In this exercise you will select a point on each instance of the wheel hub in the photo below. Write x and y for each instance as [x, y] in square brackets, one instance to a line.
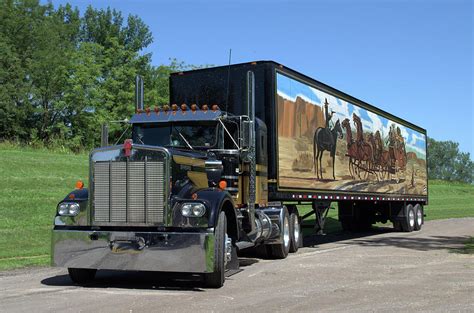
[228, 249]
[296, 229]
[286, 232]
[411, 218]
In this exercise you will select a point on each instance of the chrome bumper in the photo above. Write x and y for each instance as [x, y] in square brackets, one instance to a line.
[137, 251]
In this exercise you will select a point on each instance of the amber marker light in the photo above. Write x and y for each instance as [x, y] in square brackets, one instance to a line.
[79, 184]
[215, 107]
[157, 110]
[166, 108]
[194, 196]
[184, 107]
[147, 110]
[222, 184]
[204, 108]
[194, 107]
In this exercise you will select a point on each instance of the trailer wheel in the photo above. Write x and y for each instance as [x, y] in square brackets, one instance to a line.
[296, 235]
[280, 250]
[408, 223]
[216, 278]
[418, 217]
[81, 275]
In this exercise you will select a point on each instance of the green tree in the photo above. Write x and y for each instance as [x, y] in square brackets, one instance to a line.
[62, 74]
[446, 162]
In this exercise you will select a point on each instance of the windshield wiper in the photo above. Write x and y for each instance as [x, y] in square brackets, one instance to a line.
[184, 139]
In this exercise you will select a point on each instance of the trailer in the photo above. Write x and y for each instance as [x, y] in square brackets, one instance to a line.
[225, 166]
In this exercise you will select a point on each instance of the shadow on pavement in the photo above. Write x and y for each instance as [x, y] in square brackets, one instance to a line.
[420, 244]
[135, 280]
[393, 238]
[145, 280]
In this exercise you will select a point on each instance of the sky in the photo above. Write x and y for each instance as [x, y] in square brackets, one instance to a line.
[412, 58]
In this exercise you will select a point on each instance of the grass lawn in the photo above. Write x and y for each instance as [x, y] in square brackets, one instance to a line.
[34, 181]
[32, 184]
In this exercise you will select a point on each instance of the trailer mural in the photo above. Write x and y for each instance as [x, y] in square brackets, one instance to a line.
[328, 143]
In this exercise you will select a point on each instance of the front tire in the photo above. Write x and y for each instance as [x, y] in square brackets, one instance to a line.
[81, 275]
[216, 278]
[296, 235]
[280, 250]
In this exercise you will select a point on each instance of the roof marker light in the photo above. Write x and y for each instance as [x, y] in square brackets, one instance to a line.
[166, 108]
[184, 107]
[157, 110]
[194, 107]
[204, 108]
[147, 110]
[215, 108]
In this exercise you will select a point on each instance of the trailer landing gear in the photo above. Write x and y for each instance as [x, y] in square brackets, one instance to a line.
[320, 210]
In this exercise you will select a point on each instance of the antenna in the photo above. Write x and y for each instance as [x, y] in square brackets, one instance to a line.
[228, 81]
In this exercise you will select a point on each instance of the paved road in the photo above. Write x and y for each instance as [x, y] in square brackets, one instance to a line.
[381, 271]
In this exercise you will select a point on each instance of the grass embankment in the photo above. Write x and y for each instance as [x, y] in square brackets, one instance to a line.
[34, 181]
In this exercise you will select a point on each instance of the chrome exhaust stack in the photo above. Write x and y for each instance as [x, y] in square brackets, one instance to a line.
[139, 93]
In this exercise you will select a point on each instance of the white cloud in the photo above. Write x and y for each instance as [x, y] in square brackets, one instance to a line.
[415, 138]
[376, 122]
[305, 98]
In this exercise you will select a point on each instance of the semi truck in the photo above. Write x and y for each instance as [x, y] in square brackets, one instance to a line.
[232, 163]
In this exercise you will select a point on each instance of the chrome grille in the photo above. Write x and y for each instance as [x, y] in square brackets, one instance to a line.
[129, 192]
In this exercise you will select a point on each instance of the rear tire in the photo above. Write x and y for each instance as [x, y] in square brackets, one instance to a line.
[296, 235]
[81, 275]
[280, 250]
[419, 218]
[408, 223]
[216, 278]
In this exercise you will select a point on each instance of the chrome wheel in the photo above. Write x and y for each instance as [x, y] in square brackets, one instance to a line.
[419, 217]
[296, 230]
[286, 232]
[228, 249]
[411, 218]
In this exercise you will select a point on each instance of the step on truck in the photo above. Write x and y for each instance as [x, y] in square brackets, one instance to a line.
[227, 166]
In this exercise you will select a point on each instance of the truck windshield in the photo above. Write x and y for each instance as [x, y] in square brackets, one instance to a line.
[187, 136]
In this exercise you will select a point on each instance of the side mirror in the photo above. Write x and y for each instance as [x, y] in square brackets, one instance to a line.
[104, 136]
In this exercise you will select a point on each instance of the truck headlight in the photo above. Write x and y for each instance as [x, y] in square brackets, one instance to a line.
[68, 209]
[195, 209]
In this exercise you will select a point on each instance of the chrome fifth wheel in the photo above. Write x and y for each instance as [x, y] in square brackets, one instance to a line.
[296, 235]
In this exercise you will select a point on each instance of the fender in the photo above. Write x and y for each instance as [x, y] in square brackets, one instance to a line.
[221, 200]
[80, 196]
[77, 195]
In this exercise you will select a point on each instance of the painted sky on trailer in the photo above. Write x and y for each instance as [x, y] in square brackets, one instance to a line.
[413, 59]
[291, 89]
